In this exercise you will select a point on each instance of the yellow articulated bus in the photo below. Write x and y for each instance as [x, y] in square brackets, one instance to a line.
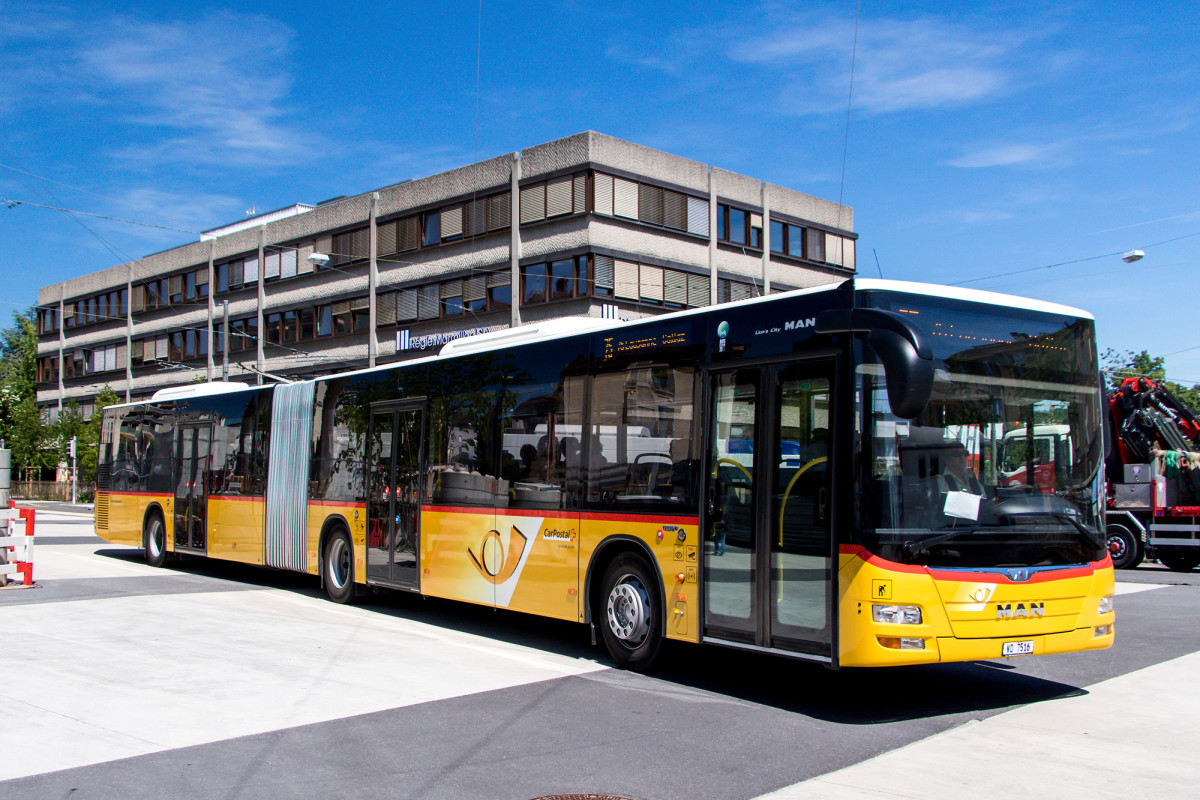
[817, 474]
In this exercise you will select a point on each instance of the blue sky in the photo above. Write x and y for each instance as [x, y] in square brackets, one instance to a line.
[981, 141]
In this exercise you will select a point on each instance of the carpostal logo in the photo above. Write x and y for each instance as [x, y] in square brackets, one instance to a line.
[559, 536]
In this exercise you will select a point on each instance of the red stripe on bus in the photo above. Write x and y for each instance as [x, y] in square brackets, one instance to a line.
[1044, 576]
[550, 512]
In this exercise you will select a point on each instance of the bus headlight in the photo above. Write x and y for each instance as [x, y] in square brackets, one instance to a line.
[897, 615]
[1106, 605]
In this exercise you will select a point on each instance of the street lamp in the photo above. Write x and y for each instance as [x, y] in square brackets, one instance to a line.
[1128, 258]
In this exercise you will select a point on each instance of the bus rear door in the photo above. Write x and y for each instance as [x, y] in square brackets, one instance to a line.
[191, 490]
[394, 471]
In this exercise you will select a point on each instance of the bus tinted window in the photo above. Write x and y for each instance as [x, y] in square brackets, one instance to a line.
[638, 448]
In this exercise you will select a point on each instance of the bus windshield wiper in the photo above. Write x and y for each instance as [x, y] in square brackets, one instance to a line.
[1068, 518]
[1050, 506]
[913, 549]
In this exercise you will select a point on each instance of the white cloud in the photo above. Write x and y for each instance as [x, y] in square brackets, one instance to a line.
[899, 64]
[219, 81]
[1007, 155]
[212, 89]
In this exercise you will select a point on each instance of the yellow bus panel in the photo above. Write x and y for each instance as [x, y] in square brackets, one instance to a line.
[967, 616]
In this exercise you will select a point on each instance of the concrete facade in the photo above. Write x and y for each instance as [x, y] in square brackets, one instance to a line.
[650, 231]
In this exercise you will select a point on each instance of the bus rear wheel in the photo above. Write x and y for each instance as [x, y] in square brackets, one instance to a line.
[338, 568]
[1179, 559]
[629, 613]
[1123, 546]
[154, 539]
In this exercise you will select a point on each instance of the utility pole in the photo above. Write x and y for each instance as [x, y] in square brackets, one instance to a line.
[74, 474]
[225, 344]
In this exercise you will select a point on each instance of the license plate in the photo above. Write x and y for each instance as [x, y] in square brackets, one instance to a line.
[1018, 648]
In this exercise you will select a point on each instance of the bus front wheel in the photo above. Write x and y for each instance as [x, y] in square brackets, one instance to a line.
[154, 538]
[629, 613]
[339, 567]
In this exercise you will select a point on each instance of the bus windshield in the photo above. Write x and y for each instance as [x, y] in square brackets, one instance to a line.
[1003, 469]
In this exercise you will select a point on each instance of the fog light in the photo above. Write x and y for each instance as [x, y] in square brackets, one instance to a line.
[898, 643]
[897, 615]
[1106, 605]
[1103, 630]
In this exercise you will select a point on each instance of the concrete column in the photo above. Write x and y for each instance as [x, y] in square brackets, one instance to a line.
[262, 301]
[212, 291]
[129, 334]
[62, 342]
[712, 239]
[514, 208]
[766, 240]
[372, 283]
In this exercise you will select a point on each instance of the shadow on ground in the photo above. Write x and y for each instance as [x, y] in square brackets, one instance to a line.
[852, 696]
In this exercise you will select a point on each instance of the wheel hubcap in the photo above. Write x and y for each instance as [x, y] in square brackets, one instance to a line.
[155, 540]
[339, 563]
[628, 611]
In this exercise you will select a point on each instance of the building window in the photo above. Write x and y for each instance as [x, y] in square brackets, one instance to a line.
[431, 228]
[341, 319]
[325, 320]
[535, 284]
[307, 328]
[738, 226]
[291, 326]
[562, 278]
[500, 296]
[272, 323]
[360, 315]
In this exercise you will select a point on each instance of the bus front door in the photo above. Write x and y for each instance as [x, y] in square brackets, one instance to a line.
[191, 491]
[768, 549]
[394, 495]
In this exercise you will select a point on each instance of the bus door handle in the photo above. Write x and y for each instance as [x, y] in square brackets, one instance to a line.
[714, 508]
[822, 503]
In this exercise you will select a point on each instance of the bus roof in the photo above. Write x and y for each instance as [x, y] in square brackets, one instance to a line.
[547, 330]
[970, 295]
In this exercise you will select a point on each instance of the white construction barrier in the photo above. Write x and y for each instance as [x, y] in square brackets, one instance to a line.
[19, 548]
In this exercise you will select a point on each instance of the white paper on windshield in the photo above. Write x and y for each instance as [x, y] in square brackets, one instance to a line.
[963, 505]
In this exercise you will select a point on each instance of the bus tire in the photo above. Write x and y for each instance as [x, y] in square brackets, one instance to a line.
[1123, 546]
[629, 613]
[1179, 559]
[338, 567]
[154, 540]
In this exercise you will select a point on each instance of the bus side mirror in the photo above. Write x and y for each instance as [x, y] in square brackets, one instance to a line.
[902, 347]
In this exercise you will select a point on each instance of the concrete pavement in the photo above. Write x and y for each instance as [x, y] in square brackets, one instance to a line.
[113, 658]
[1135, 735]
[155, 670]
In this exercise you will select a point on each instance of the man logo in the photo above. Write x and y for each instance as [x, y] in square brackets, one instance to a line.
[497, 562]
[797, 324]
[1006, 610]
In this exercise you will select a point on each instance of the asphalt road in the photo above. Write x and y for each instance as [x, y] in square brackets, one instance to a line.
[208, 680]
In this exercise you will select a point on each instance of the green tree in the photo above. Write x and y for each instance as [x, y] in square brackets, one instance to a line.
[21, 424]
[1119, 365]
[87, 434]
